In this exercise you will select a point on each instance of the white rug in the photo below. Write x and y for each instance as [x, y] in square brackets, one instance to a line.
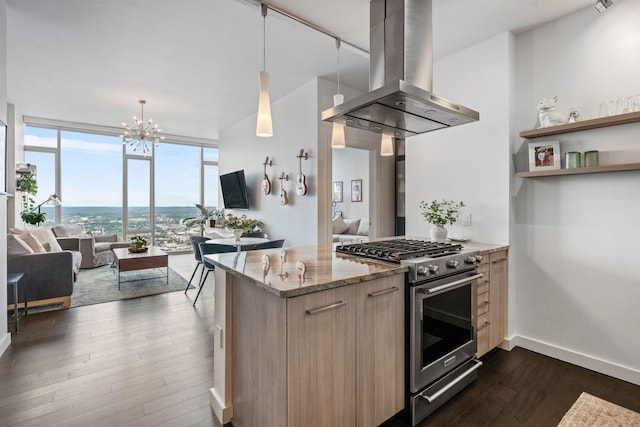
[591, 411]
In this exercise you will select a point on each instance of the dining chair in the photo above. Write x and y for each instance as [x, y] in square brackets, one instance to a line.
[195, 240]
[266, 245]
[260, 234]
[208, 249]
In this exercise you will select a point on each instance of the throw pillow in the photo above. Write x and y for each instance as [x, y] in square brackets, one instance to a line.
[363, 228]
[353, 225]
[70, 230]
[339, 226]
[17, 246]
[45, 235]
[33, 243]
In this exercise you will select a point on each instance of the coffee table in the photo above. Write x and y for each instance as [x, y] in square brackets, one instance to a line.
[127, 261]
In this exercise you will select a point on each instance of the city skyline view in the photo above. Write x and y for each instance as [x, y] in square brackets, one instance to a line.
[93, 176]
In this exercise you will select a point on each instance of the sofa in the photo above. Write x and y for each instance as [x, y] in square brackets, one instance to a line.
[355, 230]
[50, 270]
[96, 250]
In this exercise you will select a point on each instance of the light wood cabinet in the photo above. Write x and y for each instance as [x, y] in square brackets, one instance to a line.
[492, 294]
[321, 354]
[380, 350]
[330, 358]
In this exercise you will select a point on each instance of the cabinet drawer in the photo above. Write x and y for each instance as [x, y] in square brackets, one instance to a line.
[483, 341]
[483, 304]
[485, 259]
[483, 322]
[484, 269]
[483, 286]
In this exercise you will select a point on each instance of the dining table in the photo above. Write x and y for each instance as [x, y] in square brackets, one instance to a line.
[231, 241]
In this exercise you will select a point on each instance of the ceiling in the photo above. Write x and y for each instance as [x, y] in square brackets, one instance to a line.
[196, 62]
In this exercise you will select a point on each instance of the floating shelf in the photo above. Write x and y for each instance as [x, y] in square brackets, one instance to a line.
[577, 171]
[619, 119]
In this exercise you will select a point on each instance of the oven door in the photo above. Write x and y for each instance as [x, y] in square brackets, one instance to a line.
[442, 333]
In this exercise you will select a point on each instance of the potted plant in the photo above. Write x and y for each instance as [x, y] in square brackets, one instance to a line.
[138, 244]
[200, 220]
[440, 213]
[27, 183]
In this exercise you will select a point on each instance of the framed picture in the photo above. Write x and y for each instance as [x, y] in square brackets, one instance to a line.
[337, 191]
[544, 155]
[356, 190]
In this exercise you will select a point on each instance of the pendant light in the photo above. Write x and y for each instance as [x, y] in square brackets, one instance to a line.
[337, 135]
[386, 145]
[264, 126]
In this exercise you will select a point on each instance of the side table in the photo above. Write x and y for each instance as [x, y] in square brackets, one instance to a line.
[13, 279]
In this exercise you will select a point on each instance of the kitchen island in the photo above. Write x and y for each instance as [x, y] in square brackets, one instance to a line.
[306, 336]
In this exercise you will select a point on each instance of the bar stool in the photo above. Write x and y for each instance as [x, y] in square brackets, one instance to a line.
[12, 280]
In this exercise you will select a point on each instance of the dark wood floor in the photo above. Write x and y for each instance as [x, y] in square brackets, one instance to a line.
[148, 362]
[523, 388]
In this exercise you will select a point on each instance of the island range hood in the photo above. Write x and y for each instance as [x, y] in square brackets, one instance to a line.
[400, 102]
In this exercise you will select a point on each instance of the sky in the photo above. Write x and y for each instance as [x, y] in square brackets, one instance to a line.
[92, 171]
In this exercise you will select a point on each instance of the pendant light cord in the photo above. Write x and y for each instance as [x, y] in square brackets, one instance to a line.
[338, 49]
[264, 37]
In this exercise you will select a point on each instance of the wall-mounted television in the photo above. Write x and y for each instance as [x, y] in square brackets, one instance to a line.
[234, 190]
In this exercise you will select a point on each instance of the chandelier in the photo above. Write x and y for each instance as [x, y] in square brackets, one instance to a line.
[141, 135]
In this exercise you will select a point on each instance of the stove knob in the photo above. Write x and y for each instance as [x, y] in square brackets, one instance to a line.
[471, 259]
[433, 269]
[452, 263]
[478, 259]
[423, 271]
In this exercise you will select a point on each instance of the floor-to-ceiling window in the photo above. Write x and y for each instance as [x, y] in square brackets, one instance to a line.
[91, 182]
[108, 189]
[210, 166]
[177, 190]
[41, 148]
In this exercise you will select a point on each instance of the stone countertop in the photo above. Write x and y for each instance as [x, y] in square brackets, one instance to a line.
[292, 272]
[482, 247]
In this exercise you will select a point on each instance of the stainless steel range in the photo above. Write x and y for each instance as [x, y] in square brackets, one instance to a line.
[440, 317]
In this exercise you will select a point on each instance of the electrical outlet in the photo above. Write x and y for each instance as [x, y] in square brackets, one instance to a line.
[466, 218]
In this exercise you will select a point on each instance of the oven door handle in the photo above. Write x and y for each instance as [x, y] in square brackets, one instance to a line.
[448, 387]
[432, 291]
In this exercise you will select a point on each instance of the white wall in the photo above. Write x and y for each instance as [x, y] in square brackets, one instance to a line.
[3, 61]
[350, 164]
[5, 338]
[575, 238]
[468, 162]
[295, 124]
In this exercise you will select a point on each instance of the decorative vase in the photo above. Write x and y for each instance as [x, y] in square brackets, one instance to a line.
[438, 233]
[237, 233]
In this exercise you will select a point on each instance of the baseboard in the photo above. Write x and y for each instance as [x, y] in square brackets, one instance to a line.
[5, 341]
[222, 412]
[602, 366]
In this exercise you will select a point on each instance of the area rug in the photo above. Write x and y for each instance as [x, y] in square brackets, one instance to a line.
[591, 411]
[98, 285]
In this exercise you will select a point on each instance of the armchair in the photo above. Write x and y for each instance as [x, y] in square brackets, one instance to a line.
[95, 250]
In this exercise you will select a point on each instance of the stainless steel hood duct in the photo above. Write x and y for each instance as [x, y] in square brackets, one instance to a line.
[400, 102]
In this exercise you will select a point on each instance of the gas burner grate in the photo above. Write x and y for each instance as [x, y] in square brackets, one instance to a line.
[399, 249]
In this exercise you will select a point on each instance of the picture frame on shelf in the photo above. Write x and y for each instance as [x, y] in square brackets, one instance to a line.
[356, 190]
[544, 155]
[337, 192]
